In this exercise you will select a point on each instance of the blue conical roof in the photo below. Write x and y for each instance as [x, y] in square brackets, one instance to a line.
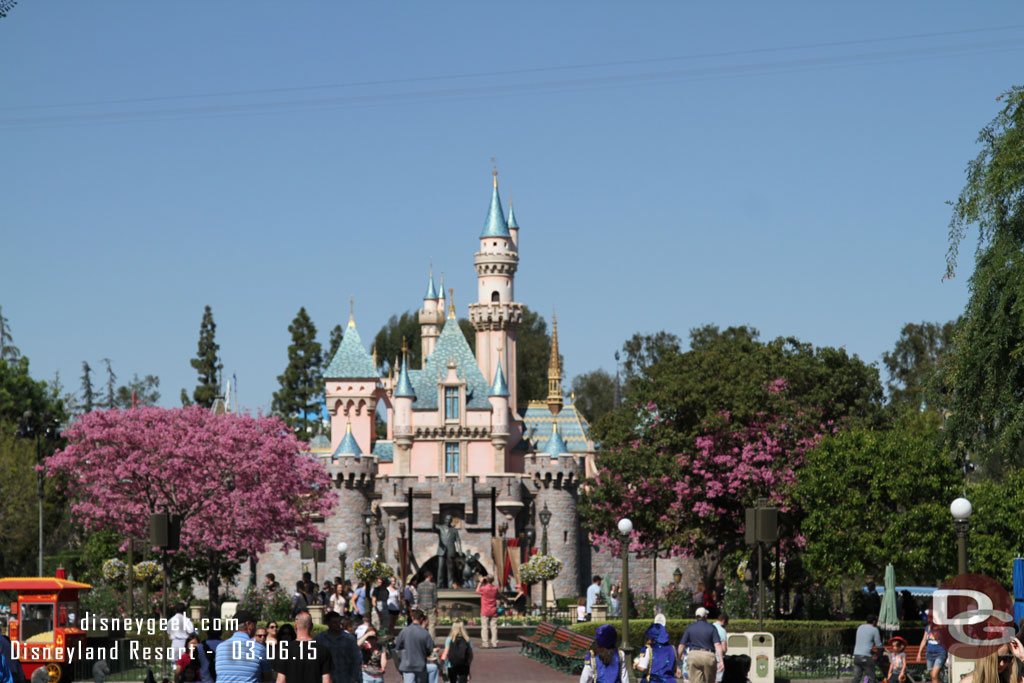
[404, 387]
[495, 225]
[555, 444]
[512, 225]
[351, 359]
[431, 294]
[348, 445]
[499, 388]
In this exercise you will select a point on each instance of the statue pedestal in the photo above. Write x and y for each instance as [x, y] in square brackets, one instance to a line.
[599, 612]
[455, 603]
[317, 613]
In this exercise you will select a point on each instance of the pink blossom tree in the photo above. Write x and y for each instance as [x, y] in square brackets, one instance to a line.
[238, 482]
[694, 505]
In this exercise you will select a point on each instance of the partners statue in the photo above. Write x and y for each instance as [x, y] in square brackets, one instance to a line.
[449, 548]
[469, 569]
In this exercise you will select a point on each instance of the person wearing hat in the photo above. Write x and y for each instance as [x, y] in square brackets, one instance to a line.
[657, 660]
[897, 661]
[605, 663]
[704, 644]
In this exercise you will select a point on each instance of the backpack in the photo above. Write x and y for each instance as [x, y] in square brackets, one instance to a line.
[211, 659]
[458, 653]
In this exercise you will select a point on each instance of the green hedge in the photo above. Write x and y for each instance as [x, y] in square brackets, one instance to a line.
[805, 638]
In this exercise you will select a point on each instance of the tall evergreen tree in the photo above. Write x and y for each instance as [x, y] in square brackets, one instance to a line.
[302, 380]
[111, 401]
[337, 334]
[88, 394]
[207, 363]
[7, 350]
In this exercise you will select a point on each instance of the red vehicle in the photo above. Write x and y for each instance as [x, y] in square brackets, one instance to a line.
[43, 622]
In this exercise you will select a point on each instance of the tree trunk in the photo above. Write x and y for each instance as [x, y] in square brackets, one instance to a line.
[213, 590]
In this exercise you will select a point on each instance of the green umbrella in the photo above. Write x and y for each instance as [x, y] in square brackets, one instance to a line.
[888, 617]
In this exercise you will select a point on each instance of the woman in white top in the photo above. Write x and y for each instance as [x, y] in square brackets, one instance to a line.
[339, 601]
[394, 604]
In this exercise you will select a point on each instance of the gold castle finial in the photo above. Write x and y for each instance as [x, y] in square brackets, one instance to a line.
[451, 306]
[494, 161]
[405, 347]
[352, 312]
[374, 355]
[348, 427]
[554, 372]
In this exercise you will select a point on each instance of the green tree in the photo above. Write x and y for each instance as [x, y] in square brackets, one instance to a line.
[595, 393]
[7, 350]
[641, 351]
[533, 354]
[985, 371]
[207, 363]
[337, 334]
[88, 393]
[302, 380]
[731, 378]
[145, 391]
[19, 393]
[111, 399]
[388, 341]
[871, 497]
[996, 532]
[913, 365]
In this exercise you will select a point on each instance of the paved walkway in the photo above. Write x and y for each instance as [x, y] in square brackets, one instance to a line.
[504, 663]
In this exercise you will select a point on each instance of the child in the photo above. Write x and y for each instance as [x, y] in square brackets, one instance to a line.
[581, 609]
[898, 661]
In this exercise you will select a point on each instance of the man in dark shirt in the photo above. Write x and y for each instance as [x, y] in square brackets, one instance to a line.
[380, 605]
[428, 601]
[302, 660]
[703, 642]
[346, 660]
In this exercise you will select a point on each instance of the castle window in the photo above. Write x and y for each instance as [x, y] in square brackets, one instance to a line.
[451, 458]
[451, 403]
[494, 297]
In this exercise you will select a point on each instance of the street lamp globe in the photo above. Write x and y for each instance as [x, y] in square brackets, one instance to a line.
[961, 509]
[342, 547]
[625, 526]
[545, 515]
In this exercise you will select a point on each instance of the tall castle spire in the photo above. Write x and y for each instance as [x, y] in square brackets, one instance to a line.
[554, 372]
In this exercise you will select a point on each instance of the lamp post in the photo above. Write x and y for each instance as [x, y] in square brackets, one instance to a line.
[44, 428]
[545, 519]
[961, 510]
[677, 576]
[381, 533]
[625, 528]
[342, 552]
[368, 519]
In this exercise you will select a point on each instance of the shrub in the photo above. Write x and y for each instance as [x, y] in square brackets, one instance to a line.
[802, 638]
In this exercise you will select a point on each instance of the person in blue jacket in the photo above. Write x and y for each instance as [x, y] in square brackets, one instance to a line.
[657, 660]
[605, 663]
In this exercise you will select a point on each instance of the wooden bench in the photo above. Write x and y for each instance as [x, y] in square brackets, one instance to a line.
[532, 646]
[913, 661]
[557, 647]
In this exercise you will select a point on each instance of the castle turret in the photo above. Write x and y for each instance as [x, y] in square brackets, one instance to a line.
[555, 478]
[403, 398]
[353, 476]
[352, 390]
[431, 318]
[498, 398]
[495, 315]
[513, 227]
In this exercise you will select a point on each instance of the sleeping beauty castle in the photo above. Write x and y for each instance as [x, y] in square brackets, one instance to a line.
[455, 445]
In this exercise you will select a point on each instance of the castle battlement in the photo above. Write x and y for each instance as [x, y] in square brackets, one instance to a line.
[351, 471]
[563, 471]
[495, 315]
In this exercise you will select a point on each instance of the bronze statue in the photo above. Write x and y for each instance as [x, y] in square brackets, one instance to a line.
[449, 548]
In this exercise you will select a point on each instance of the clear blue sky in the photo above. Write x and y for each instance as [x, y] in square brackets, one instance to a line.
[781, 165]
